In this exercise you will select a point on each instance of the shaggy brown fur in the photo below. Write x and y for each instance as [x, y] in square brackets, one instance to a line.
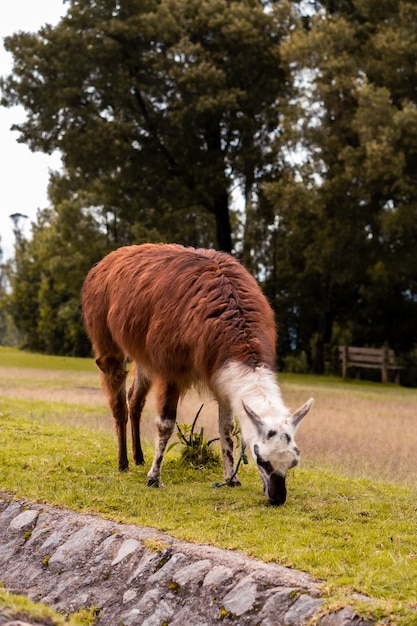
[180, 314]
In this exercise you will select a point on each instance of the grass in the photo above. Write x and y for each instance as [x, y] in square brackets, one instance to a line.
[10, 357]
[340, 523]
[19, 608]
[357, 428]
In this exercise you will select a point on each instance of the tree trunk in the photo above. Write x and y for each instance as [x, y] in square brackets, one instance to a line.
[223, 227]
[248, 240]
[324, 333]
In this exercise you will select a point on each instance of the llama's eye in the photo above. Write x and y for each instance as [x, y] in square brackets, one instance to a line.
[271, 433]
[266, 465]
[286, 438]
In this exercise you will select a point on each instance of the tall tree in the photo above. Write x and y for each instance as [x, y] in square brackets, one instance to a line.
[347, 251]
[157, 106]
[322, 221]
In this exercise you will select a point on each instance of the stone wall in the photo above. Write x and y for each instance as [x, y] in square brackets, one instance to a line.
[140, 576]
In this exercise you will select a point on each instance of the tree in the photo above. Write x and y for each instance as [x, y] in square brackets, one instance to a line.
[3, 294]
[157, 107]
[346, 229]
[322, 220]
[162, 107]
[46, 278]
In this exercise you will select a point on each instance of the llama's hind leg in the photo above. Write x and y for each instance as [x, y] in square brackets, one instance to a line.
[136, 400]
[167, 400]
[113, 378]
[226, 441]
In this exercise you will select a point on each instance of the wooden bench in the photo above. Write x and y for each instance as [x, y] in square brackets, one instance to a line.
[370, 358]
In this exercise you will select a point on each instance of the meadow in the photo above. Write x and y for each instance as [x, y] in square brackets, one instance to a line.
[350, 518]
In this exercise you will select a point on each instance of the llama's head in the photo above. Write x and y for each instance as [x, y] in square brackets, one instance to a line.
[275, 450]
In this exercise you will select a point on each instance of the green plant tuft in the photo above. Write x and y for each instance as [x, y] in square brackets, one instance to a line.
[196, 448]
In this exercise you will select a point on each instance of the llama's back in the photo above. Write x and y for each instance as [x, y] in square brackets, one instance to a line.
[179, 312]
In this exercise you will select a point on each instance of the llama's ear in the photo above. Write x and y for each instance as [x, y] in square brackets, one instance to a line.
[254, 418]
[301, 413]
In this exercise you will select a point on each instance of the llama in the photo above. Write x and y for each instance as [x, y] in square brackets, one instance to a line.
[186, 317]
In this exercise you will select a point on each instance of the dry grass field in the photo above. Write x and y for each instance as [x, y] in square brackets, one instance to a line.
[358, 429]
[367, 430]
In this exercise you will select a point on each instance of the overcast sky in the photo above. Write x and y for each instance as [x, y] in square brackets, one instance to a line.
[23, 174]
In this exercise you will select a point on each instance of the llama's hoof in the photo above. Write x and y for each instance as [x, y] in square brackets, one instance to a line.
[235, 482]
[138, 457]
[123, 467]
[152, 482]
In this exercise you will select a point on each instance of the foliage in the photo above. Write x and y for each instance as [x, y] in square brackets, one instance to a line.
[46, 278]
[296, 363]
[183, 95]
[8, 333]
[196, 450]
[337, 252]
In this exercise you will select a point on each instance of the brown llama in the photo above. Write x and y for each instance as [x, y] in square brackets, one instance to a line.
[184, 317]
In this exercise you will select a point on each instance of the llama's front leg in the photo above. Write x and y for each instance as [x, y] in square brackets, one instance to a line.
[136, 400]
[226, 441]
[167, 400]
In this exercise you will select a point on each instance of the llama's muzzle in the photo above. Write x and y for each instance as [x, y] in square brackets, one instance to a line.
[276, 491]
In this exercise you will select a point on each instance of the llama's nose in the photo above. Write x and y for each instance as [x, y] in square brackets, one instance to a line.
[278, 500]
[277, 491]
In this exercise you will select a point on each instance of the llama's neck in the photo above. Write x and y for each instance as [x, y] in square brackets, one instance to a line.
[257, 388]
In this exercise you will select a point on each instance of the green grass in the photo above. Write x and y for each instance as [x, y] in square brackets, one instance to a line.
[354, 534]
[17, 607]
[12, 357]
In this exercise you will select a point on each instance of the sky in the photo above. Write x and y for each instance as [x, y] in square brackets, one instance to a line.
[24, 174]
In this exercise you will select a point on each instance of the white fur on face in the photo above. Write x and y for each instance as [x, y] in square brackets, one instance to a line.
[280, 451]
[272, 428]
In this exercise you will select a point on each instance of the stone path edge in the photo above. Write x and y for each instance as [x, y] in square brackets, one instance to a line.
[138, 576]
